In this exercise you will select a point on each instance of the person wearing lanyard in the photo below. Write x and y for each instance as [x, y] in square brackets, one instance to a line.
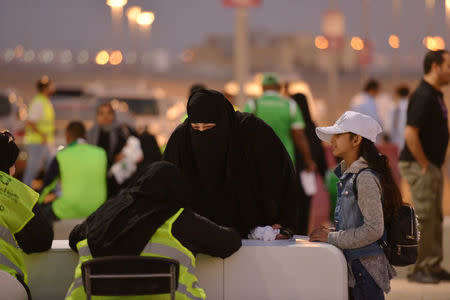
[22, 226]
[421, 160]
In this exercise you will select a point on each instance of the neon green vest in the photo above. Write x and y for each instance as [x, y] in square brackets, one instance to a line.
[162, 244]
[83, 171]
[16, 205]
[46, 125]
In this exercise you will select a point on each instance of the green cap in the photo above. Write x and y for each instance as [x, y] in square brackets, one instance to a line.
[270, 79]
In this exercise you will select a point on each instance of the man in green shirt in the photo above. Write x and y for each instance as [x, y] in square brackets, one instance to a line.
[284, 116]
[81, 169]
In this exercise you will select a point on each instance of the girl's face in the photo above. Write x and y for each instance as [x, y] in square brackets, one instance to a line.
[344, 144]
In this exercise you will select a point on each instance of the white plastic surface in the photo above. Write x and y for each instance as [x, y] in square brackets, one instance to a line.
[259, 270]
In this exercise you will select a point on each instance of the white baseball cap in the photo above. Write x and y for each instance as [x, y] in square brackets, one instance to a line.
[354, 122]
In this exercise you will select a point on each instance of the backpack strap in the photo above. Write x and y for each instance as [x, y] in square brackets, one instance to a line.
[383, 241]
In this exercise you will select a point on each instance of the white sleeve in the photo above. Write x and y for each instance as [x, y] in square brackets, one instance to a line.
[36, 112]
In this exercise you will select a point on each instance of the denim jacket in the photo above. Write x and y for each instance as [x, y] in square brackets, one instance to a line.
[348, 214]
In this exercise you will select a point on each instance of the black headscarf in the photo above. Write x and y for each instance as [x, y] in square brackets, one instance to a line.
[8, 151]
[210, 147]
[137, 212]
[239, 172]
[317, 152]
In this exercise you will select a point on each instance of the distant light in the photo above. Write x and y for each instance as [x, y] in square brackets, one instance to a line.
[159, 93]
[321, 42]
[66, 57]
[102, 58]
[18, 51]
[47, 56]
[115, 104]
[187, 56]
[253, 89]
[133, 13]
[434, 43]
[12, 98]
[116, 3]
[146, 18]
[447, 4]
[357, 43]
[9, 55]
[83, 57]
[115, 58]
[232, 88]
[394, 41]
[131, 58]
[29, 56]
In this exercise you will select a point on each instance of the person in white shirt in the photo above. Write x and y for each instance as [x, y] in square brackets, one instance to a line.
[396, 118]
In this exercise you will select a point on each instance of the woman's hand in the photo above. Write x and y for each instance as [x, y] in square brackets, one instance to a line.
[49, 198]
[319, 235]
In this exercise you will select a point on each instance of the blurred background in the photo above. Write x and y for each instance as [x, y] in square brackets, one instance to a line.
[143, 55]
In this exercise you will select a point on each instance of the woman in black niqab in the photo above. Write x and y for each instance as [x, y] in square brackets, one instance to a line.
[238, 171]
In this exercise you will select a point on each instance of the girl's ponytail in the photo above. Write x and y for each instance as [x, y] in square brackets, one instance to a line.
[379, 163]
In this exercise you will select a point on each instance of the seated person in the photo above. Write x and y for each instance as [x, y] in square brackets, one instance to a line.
[81, 168]
[152, 210]
[22, 226]
[237, 169]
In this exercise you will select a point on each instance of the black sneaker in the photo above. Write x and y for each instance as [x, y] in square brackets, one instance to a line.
[423, 277]
[442, 275]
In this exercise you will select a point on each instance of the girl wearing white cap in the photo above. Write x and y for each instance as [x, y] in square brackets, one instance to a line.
[367, 197]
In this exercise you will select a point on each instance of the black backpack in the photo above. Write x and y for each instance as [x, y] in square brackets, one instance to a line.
[402, 236]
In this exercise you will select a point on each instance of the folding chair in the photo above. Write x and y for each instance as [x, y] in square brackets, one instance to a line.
[130, 276]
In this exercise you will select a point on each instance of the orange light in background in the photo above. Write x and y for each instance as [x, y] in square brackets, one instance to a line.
[116, 3]
[102, 58]
[115, 58]
[394, 41]
[321, 42]
[146, 18]
[133, 13]
[18, 51]
[434, 43]
[357, 43]
[187, 56]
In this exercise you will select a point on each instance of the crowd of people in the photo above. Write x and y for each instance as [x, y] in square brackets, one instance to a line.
[227, 175]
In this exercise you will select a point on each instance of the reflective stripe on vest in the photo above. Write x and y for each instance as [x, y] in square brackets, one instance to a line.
[150, 248]
[7, 236]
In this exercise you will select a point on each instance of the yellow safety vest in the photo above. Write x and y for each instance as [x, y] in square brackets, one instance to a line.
[16, 210]
[46, 125]
[162, 244]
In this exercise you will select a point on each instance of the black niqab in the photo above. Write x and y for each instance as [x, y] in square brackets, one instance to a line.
[210, 147]
[138, 211]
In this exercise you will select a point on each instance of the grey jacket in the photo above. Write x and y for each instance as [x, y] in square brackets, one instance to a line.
[369, 203]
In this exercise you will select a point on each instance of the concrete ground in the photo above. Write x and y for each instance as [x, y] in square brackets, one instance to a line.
[402, 289]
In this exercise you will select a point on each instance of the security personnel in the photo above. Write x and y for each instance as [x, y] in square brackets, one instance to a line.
[284, 116]
[40, 129]
[22, 227]
[82, 170]
[149, 219]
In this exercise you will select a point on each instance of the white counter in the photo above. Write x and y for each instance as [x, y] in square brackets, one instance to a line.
[294, 269]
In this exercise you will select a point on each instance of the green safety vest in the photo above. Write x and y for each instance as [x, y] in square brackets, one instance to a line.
[83, 171]
[46, 125]
[162, 244]
[16, 210]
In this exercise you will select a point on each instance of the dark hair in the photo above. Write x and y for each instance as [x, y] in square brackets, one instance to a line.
[402, 91]
[431, 57]
[108, 105]
[371, 85]
[8, 151]
[76, 129]
[196, 87]
[379, 163]
[43, 83]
